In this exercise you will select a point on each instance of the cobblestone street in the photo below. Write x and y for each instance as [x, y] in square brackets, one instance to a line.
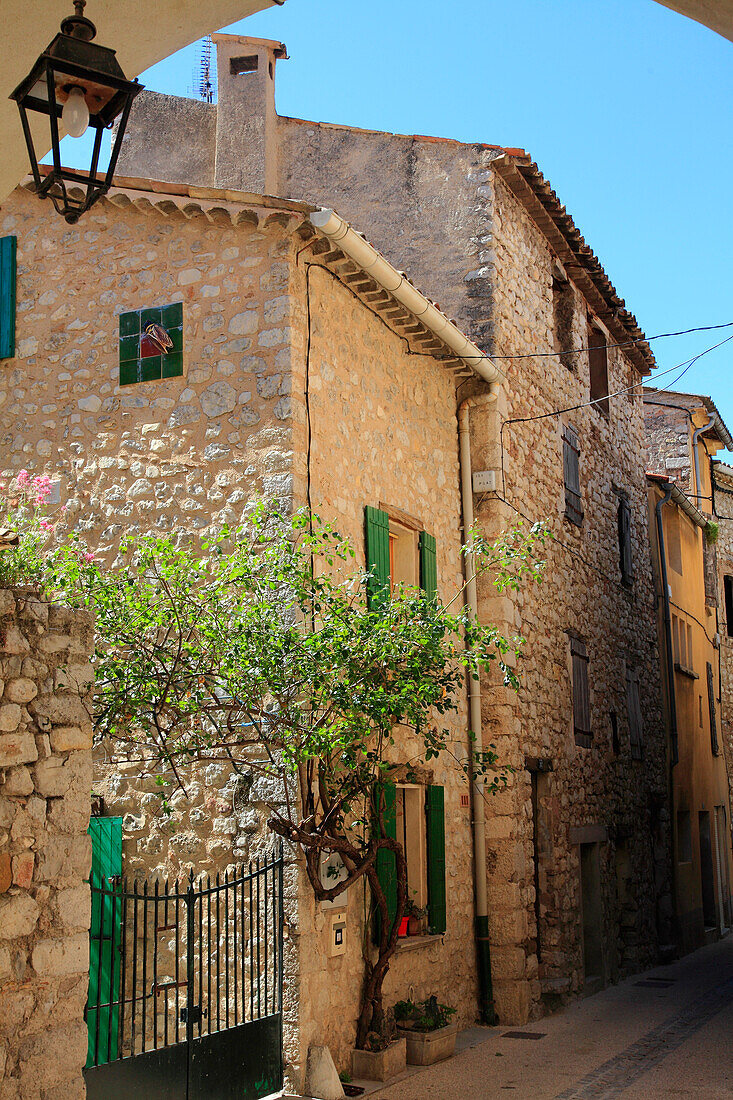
[664, 1033]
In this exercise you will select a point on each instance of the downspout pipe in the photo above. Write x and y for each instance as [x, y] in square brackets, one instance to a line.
[483, 953]
[696, 457]
[671, 700]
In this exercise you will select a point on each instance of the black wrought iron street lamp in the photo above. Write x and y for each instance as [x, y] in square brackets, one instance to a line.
[82, 84]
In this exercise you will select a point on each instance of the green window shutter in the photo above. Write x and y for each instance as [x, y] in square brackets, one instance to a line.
[104, 942]
[428, 565]
[435, 829]
[386, 865]
[376, 536]
[7, 296]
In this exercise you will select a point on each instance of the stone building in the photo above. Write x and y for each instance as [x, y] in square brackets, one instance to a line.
[293, 376]
[578, 892]
[722, 487]
[684, 431]
[545, 403]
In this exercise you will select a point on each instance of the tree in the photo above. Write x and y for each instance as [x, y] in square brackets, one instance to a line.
[261, 648]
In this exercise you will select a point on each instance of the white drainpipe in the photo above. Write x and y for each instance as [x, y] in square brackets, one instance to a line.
[474, 711]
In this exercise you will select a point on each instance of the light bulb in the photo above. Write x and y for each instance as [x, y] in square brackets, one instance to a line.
[75, 115]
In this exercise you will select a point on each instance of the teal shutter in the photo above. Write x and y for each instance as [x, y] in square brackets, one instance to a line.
[435, 832]
[104, 944]
[386, 864]
[376, 537]
[7, 296]
[428, 565]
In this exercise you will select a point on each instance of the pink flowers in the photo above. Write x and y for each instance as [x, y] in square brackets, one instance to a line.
[88, 556]
[46, 525]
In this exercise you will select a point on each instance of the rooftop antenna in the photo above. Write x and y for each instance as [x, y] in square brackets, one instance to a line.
[206, 90]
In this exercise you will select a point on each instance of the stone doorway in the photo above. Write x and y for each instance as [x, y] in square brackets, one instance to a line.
[592, 916]
[707, 876]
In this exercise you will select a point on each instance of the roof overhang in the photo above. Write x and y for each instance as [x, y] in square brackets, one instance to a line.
[533, 191]
[679, 498]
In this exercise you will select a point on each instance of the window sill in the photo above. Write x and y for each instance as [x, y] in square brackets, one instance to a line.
[685, 671]
[411, 943]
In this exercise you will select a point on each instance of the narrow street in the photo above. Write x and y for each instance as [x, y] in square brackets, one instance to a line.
[664, 1033]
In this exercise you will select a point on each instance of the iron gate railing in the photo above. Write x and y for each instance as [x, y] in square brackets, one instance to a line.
[185, 987]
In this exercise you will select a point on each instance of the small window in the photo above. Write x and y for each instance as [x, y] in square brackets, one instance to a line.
[711, 707]
[411, 833]
[684, 837]
[404, 561]
[240, 65]
[633, 710]
[624, 540]
[615, 744]
[581, 694]
[563, 313]
[674, 544]
[728, 590]
[142, 357]
[571, 474]
[598, 360]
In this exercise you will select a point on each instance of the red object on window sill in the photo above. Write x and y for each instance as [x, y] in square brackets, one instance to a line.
[402, 930]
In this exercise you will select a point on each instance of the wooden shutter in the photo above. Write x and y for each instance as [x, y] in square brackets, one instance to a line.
[376, 537]
[598, 369]
[581, 696]
[104, 946]
[711, 707]
[633, 710]
[624, 540]
[435, 835]
[386, 865]
[7, 296]
[571, 474]
[428, 565]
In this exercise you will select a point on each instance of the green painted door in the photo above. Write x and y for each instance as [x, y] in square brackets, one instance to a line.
[103, 1008]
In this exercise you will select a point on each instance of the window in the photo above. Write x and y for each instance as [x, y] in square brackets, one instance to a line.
[711, 707]
[397, 554]
[563, 312]
[571, 474]
[624, 540]
[8, 247]
[141, 359]
[728, 591]
[240, 65]
[633, 710]
[581, 695]
[674, 545]
[598, 360]
[684, 837]
[414, 815]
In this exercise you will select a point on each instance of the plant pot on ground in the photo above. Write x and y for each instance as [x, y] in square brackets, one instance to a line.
[380, 1065]
[425, 1025]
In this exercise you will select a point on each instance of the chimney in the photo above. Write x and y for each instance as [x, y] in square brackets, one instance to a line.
[246, 121]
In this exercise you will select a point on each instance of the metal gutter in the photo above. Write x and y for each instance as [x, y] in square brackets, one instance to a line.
[331, 225]
[680, 499]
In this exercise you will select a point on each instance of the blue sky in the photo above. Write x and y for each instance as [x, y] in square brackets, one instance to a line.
[624, 105]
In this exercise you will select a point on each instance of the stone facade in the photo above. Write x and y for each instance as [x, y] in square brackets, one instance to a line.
[479, 226]
[194, 452]
[45, 779]
[723, 501]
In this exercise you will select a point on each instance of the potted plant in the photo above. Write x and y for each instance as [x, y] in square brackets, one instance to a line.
[427, 1030]
[416, 918]
[384, 1055]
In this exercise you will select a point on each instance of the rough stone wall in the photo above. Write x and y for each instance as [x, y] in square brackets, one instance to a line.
[384, 433]
[193, 452]
[667, 434]
[591, 792]
[724, 552]
[45, 780]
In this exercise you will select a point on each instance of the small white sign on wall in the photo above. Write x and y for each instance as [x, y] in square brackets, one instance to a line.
[333, 872]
